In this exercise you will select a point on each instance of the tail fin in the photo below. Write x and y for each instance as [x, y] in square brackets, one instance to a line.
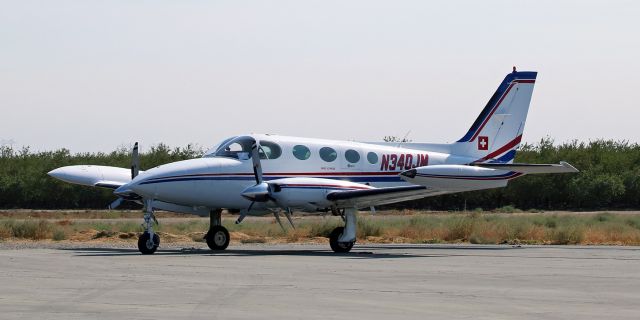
[497, 132]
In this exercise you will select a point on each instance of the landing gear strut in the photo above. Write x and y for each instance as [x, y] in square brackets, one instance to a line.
[149, 241]
[218, 236]
[342, 239]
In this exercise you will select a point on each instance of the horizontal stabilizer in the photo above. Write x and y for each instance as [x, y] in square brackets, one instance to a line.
[528, 168]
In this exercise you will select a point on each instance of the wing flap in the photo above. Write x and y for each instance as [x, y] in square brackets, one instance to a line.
[379, 196]
[109, 184]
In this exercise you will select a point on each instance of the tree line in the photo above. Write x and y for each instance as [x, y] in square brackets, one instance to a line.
[609, 178]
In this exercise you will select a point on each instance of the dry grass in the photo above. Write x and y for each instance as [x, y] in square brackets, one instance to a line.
[400, 227]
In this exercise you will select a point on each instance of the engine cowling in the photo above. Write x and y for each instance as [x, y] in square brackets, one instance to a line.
[456, 177]
[309, 194]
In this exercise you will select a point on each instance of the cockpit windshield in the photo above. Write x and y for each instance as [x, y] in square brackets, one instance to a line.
[240, 148]
[236, 147]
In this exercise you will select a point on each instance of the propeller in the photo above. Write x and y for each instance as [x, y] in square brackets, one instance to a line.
[115, 203]
[135, 161]
[135, 169]
[261, 191]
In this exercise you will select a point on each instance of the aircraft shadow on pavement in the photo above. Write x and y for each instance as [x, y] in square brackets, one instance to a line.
[359, 252]
[355, 254]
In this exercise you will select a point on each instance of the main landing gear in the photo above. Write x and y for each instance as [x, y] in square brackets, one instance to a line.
[342, 239]
[218, 236]
[149, 241]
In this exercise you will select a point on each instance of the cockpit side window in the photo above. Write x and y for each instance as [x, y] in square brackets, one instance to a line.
[238, 148]
[212, 152]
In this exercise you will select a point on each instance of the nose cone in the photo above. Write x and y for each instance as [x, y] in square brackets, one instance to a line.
[169, 180]
[123, 190]
[138, 186]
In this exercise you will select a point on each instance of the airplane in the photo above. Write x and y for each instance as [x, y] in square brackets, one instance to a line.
[257, 174]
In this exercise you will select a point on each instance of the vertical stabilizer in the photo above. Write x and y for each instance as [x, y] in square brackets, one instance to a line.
[497, 132]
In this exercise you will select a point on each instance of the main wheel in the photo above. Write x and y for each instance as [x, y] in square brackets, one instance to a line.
[218, 238]
[339, 246]
[145, 245]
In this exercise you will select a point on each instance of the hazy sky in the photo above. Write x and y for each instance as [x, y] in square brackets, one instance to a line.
[93, 75]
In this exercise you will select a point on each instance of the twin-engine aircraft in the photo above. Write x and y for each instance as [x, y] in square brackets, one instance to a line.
[256, 174]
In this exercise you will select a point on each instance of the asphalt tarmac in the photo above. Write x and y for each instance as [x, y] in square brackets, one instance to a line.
[310, 282]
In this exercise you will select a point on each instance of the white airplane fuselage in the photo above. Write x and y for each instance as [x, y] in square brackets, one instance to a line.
[218, 181]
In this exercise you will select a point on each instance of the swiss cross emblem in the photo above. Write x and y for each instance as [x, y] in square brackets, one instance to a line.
[483, 143]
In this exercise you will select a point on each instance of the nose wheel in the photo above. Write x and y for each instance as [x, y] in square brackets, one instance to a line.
[146, 245]
[149, 241]
[218, 238]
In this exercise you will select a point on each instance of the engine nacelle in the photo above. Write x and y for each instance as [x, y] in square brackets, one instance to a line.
[456, 177]
[309, 194]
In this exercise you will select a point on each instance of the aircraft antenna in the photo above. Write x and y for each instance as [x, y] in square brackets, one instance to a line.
[404, 139]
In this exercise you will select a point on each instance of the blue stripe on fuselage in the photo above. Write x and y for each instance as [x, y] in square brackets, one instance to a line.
[251, 178]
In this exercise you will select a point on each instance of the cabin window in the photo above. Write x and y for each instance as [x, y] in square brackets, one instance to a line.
[352, 156]
[301, 152]
[269, 150]
[328, 154]
[372, 157]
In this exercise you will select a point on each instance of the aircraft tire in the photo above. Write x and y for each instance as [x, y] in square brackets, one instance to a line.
[144, 244]
[336, 246]
[218, 238]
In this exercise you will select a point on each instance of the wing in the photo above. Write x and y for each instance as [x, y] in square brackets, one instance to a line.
[380, 196]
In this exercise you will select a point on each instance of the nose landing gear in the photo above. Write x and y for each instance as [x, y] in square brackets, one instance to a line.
[149, 241]
[218, 236]
[146, 245]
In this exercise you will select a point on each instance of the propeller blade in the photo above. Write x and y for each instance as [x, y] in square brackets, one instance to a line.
[115, 203]
[287, 213]
[243, 214]
[277, 215]
[135, 161]
[255, 157]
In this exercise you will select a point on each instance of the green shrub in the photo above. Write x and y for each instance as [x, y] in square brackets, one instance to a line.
[603, 217]
[324, 228]
[508, 209]
[29, 229]
[568, 234]
[368, 227]
[458, 228]
[59, 235]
